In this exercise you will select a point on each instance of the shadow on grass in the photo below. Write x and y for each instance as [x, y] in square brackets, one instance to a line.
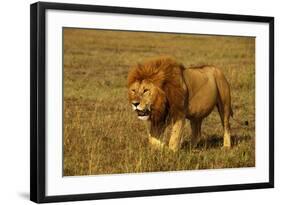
[215, 141]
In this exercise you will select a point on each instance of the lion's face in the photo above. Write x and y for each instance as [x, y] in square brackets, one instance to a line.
[142, 96]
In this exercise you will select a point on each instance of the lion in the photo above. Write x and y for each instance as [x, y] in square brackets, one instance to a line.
[164, 92]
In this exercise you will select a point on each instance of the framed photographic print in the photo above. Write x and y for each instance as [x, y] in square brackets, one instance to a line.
[129, 102]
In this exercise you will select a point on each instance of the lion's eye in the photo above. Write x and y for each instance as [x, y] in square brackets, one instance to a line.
[145, 90]
[133, 90]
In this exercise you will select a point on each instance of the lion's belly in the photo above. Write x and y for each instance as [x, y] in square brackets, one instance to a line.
[203, 96]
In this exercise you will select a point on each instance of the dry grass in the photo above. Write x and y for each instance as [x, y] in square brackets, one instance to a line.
[102, 134]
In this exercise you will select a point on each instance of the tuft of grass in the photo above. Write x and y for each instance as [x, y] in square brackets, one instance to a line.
[101, 133]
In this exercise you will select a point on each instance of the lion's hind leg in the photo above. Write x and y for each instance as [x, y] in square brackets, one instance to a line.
[226, 126]
[224, 116]
[224, 106]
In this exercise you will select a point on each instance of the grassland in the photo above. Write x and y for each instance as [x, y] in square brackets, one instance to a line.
[102, 134]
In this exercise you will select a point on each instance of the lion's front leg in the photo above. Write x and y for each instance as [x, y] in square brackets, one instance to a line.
[155, 142]
[174, 143]
[196, 131]
[154, 136]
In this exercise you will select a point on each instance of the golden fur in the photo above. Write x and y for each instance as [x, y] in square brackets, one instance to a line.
[164, 92]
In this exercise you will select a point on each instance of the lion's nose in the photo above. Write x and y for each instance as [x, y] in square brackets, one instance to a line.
[135, 103]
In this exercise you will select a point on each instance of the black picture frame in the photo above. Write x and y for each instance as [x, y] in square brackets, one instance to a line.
[38, 103]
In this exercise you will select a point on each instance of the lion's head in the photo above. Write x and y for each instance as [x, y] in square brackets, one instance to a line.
[145, 98]
[155, 89]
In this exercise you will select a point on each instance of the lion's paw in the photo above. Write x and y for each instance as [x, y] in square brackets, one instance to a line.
[156, 143]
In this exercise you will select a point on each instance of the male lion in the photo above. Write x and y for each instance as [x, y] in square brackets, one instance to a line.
[164, 92]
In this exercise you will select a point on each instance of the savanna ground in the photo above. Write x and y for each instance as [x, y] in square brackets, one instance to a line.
[102, 134]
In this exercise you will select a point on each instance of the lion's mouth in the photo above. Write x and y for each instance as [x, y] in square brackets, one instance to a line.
[143, 112]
